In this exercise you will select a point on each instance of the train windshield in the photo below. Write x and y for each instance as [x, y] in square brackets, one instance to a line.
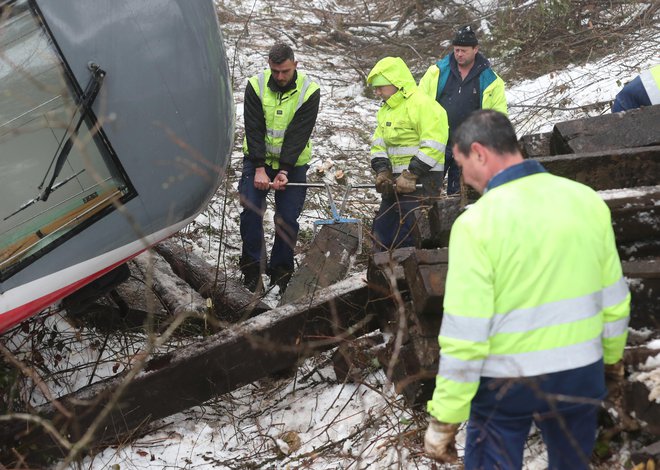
[56, 172]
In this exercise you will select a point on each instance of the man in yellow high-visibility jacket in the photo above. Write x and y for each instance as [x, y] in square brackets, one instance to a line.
[280, 109]
[536, 309]
[408, 147]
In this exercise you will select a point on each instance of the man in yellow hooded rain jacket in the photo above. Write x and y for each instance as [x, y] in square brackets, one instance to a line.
[408, 147]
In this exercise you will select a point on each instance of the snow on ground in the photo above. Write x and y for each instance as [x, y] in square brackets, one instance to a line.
[311, 420]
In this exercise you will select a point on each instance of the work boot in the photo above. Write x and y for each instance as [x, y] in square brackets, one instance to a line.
[281, 277]
[251, 276]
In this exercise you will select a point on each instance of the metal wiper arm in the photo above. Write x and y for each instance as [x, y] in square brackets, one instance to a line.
[27, 204]
[85, 107]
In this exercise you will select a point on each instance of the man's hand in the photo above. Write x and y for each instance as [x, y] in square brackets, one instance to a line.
[384, 182]
[261, 179]
[280, 181]
[406, 182]
[440, 441]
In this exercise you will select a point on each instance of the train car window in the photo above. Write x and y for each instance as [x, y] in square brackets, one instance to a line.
[56, 173]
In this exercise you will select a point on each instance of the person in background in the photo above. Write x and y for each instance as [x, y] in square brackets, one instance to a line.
[281, 105]
[462, 82]
[408, 147]
[643, 90]
[536, 309]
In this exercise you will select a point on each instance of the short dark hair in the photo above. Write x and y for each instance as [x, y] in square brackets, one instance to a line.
[280, 52]
[490, 128]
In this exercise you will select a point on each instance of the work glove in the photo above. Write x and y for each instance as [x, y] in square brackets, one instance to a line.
[440, 441]
[406, 182]
[615, 381]
[384, 182]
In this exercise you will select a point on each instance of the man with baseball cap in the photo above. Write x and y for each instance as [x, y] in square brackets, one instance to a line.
[462, 82]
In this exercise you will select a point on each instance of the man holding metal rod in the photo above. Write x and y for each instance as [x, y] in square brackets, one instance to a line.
[280, 107]
[408, 147]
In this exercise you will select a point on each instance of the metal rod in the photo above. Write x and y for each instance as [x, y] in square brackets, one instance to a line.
[324, 185]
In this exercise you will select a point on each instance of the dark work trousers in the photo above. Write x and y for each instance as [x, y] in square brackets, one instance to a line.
[288, 206]
[453, 172]
[498, 444]
[503, 411]
[393, 224]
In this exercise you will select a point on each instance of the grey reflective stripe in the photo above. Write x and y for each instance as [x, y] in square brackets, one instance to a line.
[402, 150]
[524, 364]
[520, 320]
[459, 371]
[379, 155]
[262, 80]
[616, 293]
[552, 313]
[615, 328]
[273, 149]
[430, 161]
[532, 318]
[543, 362]
[465, 328]
[275, 133]
[303, 91]
[650, 86]
[434, 144]
[379, 141]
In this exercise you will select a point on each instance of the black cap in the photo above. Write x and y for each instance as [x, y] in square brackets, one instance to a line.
[465, 37]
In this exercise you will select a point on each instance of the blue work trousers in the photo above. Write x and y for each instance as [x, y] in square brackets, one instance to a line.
[564, 405]
[498, 444]
[395, 220]
[288, 206]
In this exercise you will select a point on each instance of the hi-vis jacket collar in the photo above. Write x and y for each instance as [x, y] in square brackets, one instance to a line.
[526, 168]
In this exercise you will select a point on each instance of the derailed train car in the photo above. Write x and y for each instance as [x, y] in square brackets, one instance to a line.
[116, 125]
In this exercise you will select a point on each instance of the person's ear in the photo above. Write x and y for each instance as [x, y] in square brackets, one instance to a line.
[480, 152]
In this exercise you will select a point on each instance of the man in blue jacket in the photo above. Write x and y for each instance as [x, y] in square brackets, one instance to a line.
[463, 82]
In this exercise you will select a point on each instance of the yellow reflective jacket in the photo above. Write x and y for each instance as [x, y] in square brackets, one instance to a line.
[412, 129]
[534, 287]
[279, 110]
